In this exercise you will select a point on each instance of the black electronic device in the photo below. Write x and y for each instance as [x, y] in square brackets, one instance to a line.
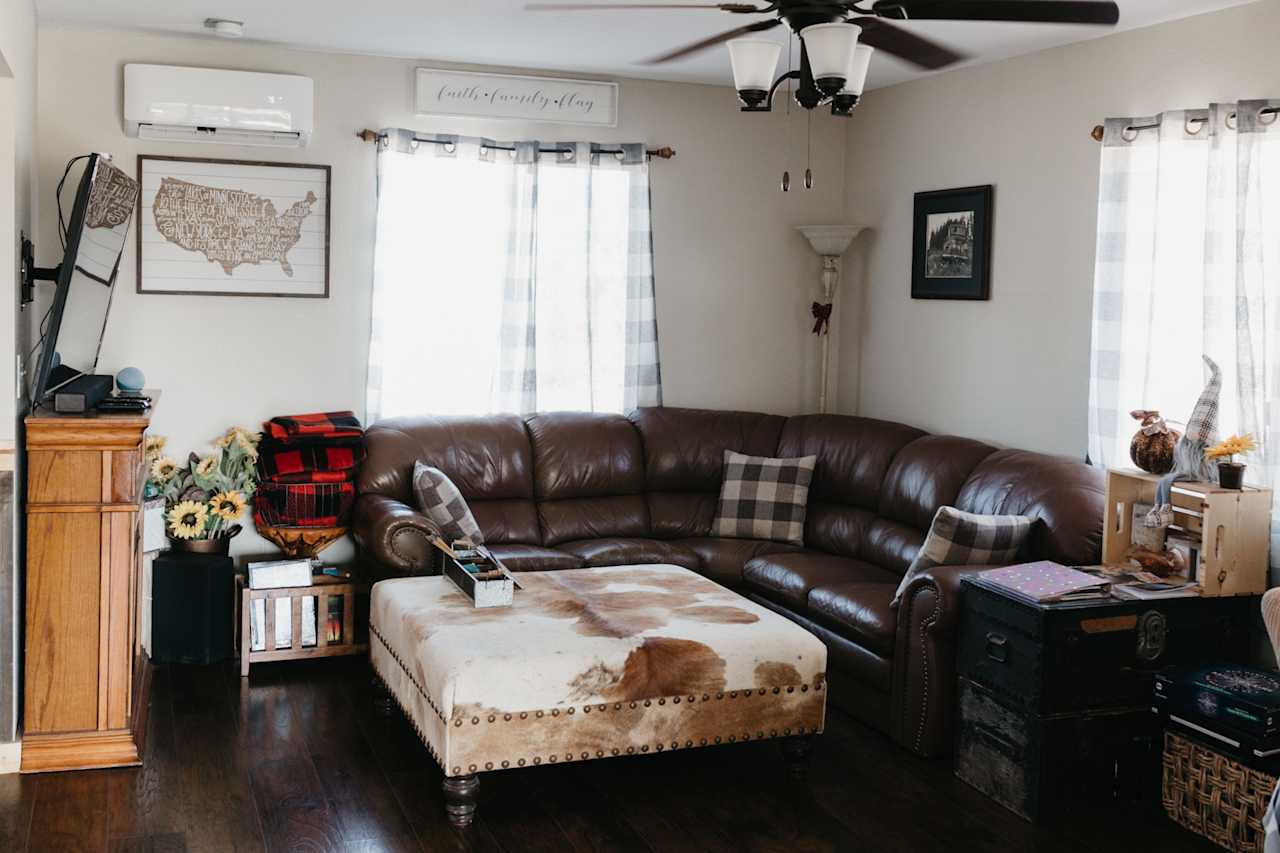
[93, 240]
[82, 393]
[124, 403]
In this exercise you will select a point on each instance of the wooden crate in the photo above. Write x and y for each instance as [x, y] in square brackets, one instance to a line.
[1234, 526]
[322, 589]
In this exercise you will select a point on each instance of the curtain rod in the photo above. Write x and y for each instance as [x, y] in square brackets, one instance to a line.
[1098, 129]
[663, 153]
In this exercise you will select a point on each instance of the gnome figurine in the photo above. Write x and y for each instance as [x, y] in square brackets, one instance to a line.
[1188, 454]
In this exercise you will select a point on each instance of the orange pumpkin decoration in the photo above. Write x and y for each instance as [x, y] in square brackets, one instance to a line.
[1153, 443]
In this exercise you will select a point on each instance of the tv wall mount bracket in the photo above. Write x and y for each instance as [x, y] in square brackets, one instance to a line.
[31, 273]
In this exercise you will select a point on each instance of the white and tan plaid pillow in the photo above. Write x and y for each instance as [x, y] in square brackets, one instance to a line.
[958, 538]
[763, 498]
[441, 502]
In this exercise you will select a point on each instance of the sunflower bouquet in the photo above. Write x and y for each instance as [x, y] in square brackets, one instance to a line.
[205, 497]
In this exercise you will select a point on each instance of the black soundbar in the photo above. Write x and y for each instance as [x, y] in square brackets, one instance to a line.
[82, 393]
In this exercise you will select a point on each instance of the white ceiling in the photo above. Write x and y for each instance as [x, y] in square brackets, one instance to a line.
[500, 32]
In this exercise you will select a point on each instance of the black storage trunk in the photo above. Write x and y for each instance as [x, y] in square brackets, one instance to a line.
[1055, 700]
[192, 608]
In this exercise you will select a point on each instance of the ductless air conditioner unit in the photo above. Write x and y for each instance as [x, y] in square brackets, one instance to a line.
[176, 104]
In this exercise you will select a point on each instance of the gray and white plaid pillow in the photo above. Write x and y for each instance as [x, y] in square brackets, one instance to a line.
[763, 498]
[959, 538]
[440, 501]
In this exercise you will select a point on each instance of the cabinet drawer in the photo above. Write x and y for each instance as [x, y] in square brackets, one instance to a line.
[127, 475]
[1000, 657]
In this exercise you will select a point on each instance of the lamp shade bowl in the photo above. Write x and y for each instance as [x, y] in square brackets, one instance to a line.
[831, 49]
[753, 61]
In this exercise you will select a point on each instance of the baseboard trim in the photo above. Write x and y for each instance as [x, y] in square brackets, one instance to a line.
[10, 757]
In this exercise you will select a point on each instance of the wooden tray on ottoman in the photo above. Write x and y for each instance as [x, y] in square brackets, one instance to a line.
[591, 663]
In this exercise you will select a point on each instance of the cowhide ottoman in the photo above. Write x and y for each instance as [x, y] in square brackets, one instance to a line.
[591, 663]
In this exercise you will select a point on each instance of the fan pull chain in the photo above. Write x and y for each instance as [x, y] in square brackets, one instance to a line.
[786, 131]
[808, 155]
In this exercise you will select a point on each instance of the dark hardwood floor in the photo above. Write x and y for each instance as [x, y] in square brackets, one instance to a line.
[296, 758]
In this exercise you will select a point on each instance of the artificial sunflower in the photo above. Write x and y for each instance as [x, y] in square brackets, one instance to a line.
[207, 466]
[227, 505]
[245, 442]
[1231, 446]
[155, 443]
[187, 519]
[163, 469]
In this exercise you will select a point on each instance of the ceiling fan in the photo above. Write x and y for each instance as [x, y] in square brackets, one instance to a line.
[837, 38]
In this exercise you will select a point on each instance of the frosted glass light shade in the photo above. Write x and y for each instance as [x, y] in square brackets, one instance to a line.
[829, 240]
[856, 78]
[753, 61]
[830, 48]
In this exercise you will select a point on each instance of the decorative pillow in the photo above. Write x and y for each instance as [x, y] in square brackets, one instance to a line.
[763, 498]
[965, 539]
[440, 501]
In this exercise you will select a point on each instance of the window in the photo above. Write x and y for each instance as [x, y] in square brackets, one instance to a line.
[1188, 262]
[511, 280]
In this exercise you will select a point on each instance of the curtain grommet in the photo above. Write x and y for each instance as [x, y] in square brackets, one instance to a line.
[1268, 115]
[1129, 134]
[1230, 121]
[1193, 126]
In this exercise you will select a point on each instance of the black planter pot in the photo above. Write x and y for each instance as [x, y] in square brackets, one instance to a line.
[1231, 475]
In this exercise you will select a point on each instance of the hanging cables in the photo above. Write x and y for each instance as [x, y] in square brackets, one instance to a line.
[62, 222]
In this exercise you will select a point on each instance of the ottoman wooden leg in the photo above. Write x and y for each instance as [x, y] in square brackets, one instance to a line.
[796, 752]
[460, 799]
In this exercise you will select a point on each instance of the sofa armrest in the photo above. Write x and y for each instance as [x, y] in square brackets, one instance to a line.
[924, 672]
[393, 533]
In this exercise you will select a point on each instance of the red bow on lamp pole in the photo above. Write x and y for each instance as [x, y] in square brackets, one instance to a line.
[822, 318]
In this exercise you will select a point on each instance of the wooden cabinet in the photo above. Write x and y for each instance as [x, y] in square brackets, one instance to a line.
[86, 677]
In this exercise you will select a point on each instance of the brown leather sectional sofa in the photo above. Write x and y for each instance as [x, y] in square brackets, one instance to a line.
[567, 490]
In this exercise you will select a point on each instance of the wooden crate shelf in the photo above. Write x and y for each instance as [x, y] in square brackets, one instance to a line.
[322, 589]
[1234, 527]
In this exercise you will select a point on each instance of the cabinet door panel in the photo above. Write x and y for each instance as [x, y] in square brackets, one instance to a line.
[64, 476]
[62, 615]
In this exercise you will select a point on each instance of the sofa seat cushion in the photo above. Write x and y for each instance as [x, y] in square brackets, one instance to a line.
[534, 558]
[788, 578]
[723, 559]
[859, 610]
[631, 551]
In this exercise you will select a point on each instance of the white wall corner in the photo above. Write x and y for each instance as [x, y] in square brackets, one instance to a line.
[10, 757]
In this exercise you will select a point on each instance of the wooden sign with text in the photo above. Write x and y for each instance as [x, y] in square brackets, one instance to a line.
[510, 96]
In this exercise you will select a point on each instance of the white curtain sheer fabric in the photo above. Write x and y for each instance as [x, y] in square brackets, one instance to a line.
[511, 281]
[1188, 263]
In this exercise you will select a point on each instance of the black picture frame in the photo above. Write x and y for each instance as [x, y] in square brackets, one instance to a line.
[951, 248]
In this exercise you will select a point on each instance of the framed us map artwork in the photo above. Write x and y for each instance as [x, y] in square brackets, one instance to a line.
[233, 227]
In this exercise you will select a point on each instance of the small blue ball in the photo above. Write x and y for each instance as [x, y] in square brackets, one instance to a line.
[130, 379]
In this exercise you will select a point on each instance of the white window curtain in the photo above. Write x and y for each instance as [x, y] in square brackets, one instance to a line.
[511, 278]
[1188, 263]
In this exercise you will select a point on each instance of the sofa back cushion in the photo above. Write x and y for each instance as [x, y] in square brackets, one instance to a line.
[854, 455]
[684, 461]
[1067, 496]
[923, 476]
[588, 476]
[487, 457]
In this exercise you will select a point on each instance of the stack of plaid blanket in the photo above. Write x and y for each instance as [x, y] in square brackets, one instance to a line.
[307, 467]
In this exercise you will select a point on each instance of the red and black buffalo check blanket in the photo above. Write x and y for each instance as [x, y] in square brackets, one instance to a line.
[309, 462]
[314, 425]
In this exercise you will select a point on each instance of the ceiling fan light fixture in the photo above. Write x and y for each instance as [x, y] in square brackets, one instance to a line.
[753, 61]
[831, 50]
[856, 78]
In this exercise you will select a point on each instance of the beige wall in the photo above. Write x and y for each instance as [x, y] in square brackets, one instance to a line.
[1015, 369]
[17, 206]
[734, 280]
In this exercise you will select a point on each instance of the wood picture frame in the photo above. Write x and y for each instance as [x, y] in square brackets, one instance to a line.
[177, 254]
[951, 247]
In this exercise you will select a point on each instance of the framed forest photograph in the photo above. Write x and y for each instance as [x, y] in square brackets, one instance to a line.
[951, 249]
[233, 227]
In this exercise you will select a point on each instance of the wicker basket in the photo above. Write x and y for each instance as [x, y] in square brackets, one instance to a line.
[1213, 795]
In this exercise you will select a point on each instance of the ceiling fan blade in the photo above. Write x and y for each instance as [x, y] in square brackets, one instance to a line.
[739, 8]
[697, 46]
[1032, 11]
[915, 49]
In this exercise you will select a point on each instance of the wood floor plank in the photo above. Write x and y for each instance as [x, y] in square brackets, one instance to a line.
[146, 802]
[219, 812]
[17, 801]
[70, 814]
